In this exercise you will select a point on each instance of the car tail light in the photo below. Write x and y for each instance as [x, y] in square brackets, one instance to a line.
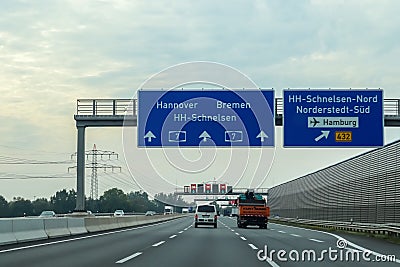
[196, 217]
[215, 217]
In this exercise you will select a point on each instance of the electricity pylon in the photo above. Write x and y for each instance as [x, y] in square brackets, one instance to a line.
[92, 158]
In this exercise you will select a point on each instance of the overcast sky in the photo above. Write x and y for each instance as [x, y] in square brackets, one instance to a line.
[55, 52]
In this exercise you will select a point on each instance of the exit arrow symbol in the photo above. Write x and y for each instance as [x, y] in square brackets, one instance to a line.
[262, 135]
[204, 135]
[149, 135]
[323, 134]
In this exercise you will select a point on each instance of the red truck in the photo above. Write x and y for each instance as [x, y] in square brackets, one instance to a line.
[253, 210]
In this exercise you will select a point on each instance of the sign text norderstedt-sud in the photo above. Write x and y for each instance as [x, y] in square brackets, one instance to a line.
[317, 118]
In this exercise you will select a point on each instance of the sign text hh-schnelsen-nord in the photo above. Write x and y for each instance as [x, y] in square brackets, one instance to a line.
[333, 118]
[191, 118]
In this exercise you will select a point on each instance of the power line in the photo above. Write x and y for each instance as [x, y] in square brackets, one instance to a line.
[94, 165]
[37, 152]
[122, 181]
[35, 177]
[5, 160]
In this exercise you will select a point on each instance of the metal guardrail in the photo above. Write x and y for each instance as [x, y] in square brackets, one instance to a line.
[113, 107]
[106, 107]
[384, 229]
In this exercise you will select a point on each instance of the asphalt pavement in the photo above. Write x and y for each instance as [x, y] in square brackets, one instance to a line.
[177, 243]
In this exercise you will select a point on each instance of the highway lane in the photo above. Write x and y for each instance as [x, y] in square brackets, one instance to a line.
[178, 243]
[288, 238]
[204, 246]
[93, 250]
[174, 243]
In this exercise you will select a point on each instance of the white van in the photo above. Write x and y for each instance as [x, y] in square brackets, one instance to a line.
[185, 210]
[168, 210]
[206, 215]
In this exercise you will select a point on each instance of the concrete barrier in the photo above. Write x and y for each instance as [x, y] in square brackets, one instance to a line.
[76, 226]
[127, 221]
[101, 224]
[6, 232]
[152, 219]
[141, 219]
[28, 229]
[56, 227]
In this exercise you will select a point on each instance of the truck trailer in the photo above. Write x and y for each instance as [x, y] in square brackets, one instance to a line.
[252, 210]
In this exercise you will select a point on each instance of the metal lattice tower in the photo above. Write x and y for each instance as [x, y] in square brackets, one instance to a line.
[94, 164]
[94, 181]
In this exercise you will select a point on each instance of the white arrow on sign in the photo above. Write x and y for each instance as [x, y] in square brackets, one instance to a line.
[323, 134]
[262, 135]
[149, 136]
[204, 135]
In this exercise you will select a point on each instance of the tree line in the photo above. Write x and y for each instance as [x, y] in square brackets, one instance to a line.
[64, 202]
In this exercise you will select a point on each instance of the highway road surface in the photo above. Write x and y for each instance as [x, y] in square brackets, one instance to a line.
[177, 243]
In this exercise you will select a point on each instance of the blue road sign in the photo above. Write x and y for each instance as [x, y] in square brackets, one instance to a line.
[333, 118]
[191, 118]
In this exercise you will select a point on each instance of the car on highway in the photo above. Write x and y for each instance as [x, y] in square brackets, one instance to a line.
[89, 213]
[205, 215]
[119, 213]
[47, 214]
[150, 213]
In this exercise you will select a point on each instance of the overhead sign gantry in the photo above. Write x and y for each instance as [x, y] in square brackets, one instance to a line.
[333, 118]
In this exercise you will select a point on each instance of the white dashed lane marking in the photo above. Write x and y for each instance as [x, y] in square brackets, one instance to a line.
[158, 244]
[129, 258]
[253, 247]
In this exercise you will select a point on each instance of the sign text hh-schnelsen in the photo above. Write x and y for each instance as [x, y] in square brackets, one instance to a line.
[208, 118]
[333, 118]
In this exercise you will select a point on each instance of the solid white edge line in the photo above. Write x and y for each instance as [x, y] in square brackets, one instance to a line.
[253, 247]
[243, 238]
[352, 249]
[129, 258]
[339, 237]
[315, 240]
[157, 244]
[172, 236]
[272, 263]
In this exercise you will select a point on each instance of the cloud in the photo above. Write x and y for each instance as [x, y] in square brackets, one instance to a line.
[54, 52]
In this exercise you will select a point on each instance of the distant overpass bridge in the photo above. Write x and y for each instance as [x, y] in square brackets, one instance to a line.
[234, 192]
[123, 112]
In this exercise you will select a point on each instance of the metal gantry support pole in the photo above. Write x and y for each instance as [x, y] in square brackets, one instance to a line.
[80, 158]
